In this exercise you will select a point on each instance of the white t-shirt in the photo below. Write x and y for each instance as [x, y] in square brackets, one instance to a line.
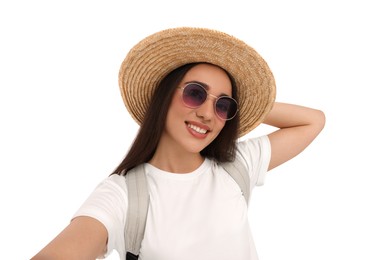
[197, 215]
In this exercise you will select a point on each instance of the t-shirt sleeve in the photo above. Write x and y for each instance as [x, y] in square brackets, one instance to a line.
[108, 204]
[256, 155]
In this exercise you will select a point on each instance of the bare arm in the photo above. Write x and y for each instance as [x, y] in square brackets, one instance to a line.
[83, 238]
[298, 127]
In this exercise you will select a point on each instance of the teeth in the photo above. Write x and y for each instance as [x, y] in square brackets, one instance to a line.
[197, 129]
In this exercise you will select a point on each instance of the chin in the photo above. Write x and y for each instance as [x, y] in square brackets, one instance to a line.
[196, 148]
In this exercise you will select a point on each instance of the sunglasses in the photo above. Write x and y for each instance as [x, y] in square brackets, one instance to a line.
[194, 95]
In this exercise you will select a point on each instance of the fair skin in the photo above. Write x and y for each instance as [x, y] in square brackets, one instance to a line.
[179, 147]
[178, 152]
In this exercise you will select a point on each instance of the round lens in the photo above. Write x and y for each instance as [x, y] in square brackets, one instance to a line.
[226, 108]
[194, 95]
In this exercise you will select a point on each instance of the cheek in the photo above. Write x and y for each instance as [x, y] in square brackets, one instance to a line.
[176, 102]
[176, 110]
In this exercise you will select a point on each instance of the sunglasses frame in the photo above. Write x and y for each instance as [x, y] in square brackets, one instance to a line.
[208, 95]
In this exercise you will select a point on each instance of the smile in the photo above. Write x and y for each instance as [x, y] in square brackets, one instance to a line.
[197, 129]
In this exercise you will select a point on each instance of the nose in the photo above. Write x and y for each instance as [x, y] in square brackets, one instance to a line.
[206, 110]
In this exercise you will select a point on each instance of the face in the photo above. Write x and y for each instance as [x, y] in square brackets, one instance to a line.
[192, 129]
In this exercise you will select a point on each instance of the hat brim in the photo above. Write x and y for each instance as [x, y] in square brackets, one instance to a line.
[148, 62]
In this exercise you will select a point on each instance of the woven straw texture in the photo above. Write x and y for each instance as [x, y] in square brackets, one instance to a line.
[149, 61]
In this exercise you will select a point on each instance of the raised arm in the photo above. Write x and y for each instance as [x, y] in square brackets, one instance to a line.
[83, 238]
[298, 126]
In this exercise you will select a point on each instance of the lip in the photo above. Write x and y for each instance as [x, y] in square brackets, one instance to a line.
[200, 125]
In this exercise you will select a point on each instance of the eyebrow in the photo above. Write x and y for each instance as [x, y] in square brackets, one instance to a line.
[207, 87]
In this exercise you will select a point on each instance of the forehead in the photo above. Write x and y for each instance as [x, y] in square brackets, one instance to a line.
[215, 78]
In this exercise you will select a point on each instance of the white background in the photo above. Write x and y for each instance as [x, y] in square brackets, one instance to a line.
[64, 126]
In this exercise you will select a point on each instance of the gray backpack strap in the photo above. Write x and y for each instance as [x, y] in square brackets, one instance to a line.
[137, 210]
[239, 173]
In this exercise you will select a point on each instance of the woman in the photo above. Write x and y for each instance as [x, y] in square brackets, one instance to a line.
[194, 92]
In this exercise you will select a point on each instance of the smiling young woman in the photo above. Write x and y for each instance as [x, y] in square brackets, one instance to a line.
[194, 92]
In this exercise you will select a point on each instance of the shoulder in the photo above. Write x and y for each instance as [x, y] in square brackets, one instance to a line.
[253, 149]
[100, 204]
[258, 144]
[255, 154]
[117, 180]
[113, 184]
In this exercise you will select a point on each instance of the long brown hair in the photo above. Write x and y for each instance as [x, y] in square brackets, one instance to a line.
[222, 148]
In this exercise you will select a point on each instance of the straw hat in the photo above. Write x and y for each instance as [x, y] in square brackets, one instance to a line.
[149, 61]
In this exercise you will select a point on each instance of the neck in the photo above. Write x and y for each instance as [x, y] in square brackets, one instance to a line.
[169, 159]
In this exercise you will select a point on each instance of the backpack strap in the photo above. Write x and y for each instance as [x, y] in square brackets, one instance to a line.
[137, 210]
[239, 173]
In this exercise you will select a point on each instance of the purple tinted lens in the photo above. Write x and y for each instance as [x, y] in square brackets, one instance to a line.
[194, 95]
[226, 108]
